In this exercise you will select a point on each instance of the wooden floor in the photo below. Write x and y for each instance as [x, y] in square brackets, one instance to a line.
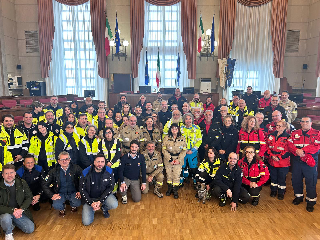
[184, 218]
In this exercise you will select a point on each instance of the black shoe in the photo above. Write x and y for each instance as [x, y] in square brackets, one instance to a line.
[106, 214]
[175, 192]
[309, 207]
[169, 191]
[255, 201]
[36, 207]
[273, 194]
[297, 200]
[223, 200]
[280, 196]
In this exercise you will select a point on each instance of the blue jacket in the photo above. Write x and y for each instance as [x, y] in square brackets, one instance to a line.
[33, 178]
[130, 168]
[106, 185]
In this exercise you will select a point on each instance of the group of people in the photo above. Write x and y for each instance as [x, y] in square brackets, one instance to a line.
[87, 155]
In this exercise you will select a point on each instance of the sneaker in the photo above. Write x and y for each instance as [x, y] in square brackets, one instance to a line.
[273, 194]
[280, 196]
[124, 199]
[297, 200]
[9, 237]
[310, 208]
[62, 213]
[74, 209]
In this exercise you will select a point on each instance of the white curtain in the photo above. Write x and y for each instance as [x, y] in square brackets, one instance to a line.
[252, 47]
[74, 66]
[162, 30]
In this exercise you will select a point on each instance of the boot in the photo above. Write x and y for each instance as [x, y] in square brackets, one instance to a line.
[255, 201]
[310, 207]
[223, 200]
[175, 192]
[169, 191]
[157, 192]
[273, 194]
[297, 200]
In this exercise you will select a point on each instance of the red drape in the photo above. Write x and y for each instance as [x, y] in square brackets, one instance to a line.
[46, 32]
[188, 31]
[72, 2]
[163, 2]
[278, 34]
[318, 60]
[253, 3]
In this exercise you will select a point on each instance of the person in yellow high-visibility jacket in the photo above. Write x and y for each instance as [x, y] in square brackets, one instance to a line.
[42, 147]
[193, 136]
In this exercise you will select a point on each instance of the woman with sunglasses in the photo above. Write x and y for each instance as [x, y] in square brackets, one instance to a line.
[278, 156]
[110, 147]
[255, 173]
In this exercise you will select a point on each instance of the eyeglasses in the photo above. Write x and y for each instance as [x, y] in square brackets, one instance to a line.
[69, 127]
[176, 114]
[278, 125]
[251, 152]
[65, 159]
[108, 132]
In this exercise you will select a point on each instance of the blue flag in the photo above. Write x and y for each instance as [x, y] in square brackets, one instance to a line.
[117, 37]
[178, 70]
[212, 36]
[146, 76]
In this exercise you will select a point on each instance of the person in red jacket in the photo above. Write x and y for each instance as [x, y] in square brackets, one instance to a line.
[278, 157]
[304, 144]
[254, 173]
[208, 105]
[265, 101]
[250, 134]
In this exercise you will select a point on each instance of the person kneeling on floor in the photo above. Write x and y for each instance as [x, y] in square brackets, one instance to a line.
[65, 180]
[15, 200]
[96, 185]
[154, 166]
[255, 173]
[131, 164]
[228, 183]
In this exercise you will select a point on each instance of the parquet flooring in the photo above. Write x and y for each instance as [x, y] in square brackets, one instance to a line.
[184, 218]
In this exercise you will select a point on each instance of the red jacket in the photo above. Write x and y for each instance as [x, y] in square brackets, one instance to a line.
[308, 142]
[278, 147]
[264, 103]
[210, 107]
[254, 138]
[257, 171]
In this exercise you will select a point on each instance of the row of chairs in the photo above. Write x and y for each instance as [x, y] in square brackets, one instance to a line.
[23, 102]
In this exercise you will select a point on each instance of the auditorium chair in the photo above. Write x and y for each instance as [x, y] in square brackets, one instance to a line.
[25, 103]
[9, 103]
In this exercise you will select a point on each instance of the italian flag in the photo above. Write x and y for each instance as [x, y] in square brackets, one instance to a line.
[108, 36]
[201, 31]
[158, 71]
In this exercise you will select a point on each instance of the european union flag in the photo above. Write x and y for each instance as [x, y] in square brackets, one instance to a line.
[212, 36]
[146, 77]
[178, 70]
[117, 37]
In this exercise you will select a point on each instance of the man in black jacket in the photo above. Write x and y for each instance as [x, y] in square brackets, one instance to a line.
[164, 114]
[27, 126]
[52, 123]
[210, 135]
[65, 180]
[251, 99]
[96, 185]
[178, 99]
[274, 105]
[33, 175]
[228, 182]
[120, 104]
[131, 165]
[15, 200]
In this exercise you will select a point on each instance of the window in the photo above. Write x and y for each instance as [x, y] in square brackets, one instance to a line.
[162, 33]
[251, 79]
[74, 66]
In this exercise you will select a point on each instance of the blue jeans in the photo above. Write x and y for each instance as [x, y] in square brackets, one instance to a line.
[59, 203]
[87, 211]
[8, 221]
